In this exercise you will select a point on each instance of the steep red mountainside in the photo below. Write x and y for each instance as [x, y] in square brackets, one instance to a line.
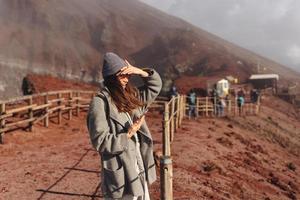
[67, 39]
[47, 83]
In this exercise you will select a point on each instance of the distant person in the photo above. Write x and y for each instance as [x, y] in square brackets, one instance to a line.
[27, 86]
[214, 98]
[118, 130]
[214, 92]
[254, 96]
[240, 103]
[173, 92]
[241, 93]
[192, 100]
[221, 105]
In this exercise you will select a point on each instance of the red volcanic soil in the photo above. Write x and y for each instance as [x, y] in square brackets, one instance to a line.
[253, 157]
[45, 83]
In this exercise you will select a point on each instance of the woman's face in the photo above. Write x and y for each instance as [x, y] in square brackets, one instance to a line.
[123, 79]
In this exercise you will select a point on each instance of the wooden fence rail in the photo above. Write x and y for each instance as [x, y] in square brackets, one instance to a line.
[26, 111]
[174, 112]
[212, 107]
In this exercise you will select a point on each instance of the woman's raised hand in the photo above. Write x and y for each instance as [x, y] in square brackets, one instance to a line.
[135, 126]
[131, 70]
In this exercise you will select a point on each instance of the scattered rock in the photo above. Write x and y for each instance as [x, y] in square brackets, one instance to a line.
[256, 148]
[4, 189]
[292, 185]
[209, 166]
[75, 129]
[28, 174]
[225, 142]
[292, 195]
[211, 129]
[270, 118]
[242, 140]
[229, 134]
[291, 166]
[275, 181]
[230, 126]
[185, 128]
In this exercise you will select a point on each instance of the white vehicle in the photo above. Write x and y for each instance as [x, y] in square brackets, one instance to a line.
[222, 87]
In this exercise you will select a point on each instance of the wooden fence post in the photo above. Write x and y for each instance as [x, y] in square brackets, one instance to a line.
[166, 133]
[181, 109]
[166, 174]
[215, 106]
[177, 112]
[166, 170]
[172, 118]
[77, 104]
[197, 109]
[59, 103]
[235, 106]
[46, 120]
[206, 106]
[183, 106]
[229, 107]
[2, 121]
[257, 106]
[70, 105]
[30, 114]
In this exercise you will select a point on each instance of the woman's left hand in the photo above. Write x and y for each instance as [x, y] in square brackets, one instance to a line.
[131, 70]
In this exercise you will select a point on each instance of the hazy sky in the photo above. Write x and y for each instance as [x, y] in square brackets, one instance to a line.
[268, 27]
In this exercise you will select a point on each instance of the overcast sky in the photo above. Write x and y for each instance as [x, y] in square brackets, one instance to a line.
[268, 27]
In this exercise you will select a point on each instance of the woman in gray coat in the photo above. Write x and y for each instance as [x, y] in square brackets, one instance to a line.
[119, 132]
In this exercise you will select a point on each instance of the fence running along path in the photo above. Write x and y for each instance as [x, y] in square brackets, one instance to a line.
[174, 113]
[210, 107]
[24, 112]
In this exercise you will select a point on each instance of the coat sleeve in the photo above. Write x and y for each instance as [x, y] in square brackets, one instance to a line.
[102, 138]
[151, 88]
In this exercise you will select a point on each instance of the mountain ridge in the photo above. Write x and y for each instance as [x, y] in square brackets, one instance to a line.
[68, 39]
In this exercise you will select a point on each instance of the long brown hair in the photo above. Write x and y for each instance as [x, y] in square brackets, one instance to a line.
[126, 99]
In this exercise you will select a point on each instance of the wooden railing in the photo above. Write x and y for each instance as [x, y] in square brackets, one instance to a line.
[210, 106]
[24, 112]
[174, 112]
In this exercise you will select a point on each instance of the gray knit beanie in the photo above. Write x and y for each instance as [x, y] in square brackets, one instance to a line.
[112, 64]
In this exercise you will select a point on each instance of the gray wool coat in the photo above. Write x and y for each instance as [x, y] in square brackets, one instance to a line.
[108, 133]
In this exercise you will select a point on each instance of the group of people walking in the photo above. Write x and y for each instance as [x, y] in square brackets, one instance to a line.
[220, 103]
